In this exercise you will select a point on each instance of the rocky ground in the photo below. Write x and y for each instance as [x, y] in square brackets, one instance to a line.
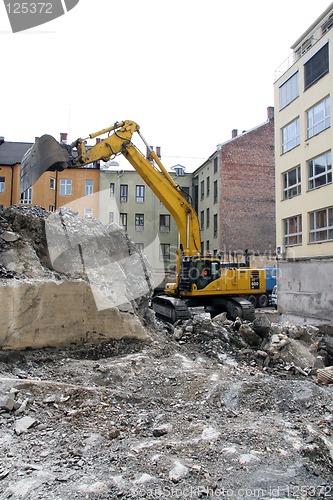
[197, 412]
[202, 409]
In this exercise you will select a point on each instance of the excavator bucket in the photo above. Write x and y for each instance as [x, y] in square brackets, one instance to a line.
[45, 154]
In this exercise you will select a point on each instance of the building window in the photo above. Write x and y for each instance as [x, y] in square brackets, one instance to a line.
[140, 247]
[215, 225]
[320, 171]
[207, 246]
[111, 189]
[65, 187]
[139, 222]
[26, 197]
[89, 188]
[202, 189]
[140, 194]
[290, 136]
[215, 192]
[52, 183]
[289, 90]
[123, 193]
[51, 208]
[208, 185]
[215, 164]
[316, 67]
[111, 217]
[202, 220]
[165, 221]
[318, 118]
[88, 212]
[2, 184]
[292, 183]
[207, 218]
[293, 230]
[123, 220]
[321, 225]
[164, 252]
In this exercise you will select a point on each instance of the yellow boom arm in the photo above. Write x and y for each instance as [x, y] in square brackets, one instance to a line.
[155, 176]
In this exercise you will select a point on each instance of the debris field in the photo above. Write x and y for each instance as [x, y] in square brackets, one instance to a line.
[206, 408]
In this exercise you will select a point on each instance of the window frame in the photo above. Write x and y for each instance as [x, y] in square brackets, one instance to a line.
[309, 66]
[289, 188]
[315, 124]
[65, 185]
[164, 252]
[327, 173]
[292, 238]
[123, 221]
[316, 230]
[139, 222]
[289, 90]
[140, 198]
[292, 139]
[89, 187]
[123, 193]
[166, 227]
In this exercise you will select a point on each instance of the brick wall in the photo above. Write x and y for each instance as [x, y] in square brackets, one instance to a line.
[247, 208]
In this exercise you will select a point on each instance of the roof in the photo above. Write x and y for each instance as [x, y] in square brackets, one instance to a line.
[13, 152]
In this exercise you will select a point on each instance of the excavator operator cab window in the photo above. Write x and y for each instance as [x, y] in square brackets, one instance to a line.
[204, 272]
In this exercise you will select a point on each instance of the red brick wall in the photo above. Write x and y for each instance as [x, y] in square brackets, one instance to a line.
[247, 207]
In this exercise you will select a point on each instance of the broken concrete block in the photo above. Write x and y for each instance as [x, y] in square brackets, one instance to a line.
[10, 237]
[23, 424]
[7, 403]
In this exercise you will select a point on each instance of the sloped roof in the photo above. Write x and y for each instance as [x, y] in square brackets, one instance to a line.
[13, 152]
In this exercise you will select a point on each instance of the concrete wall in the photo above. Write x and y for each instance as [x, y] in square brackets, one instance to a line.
[49, 313]
[305, 291]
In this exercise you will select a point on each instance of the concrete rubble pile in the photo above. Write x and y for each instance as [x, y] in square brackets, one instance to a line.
[68, 279]
[298, 348]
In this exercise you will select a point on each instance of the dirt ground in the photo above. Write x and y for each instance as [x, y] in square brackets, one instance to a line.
[180, 416]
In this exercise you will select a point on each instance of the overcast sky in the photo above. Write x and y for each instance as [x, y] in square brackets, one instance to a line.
[187, 71]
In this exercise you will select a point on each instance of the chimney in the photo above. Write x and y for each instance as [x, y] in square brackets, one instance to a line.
[234, 133]
[270, 113]
[36, 139]
[2, 139]
[98, 139]
[63, 137]
[158, 151]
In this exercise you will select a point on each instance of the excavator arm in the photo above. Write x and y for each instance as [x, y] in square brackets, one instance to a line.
[48, 154]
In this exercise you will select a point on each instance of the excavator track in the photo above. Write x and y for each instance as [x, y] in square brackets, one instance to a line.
[170, 309]
[245, 307]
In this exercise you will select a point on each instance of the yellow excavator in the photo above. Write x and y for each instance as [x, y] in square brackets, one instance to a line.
[201, 280]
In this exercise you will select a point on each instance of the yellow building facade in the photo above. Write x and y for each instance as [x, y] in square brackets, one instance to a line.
[303, 158]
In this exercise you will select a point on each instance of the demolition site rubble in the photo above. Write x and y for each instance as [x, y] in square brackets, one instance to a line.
[205, 408]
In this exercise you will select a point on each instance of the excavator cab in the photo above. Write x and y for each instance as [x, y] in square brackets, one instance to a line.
[45, 154]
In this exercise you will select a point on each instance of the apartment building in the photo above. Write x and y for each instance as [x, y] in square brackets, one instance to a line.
[234, 193]
[76, 188]
[304, 190]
